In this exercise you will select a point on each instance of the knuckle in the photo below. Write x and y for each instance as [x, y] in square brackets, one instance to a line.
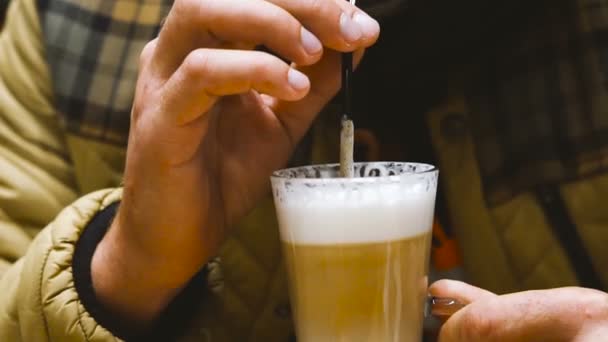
[191, 12]
[196, 63]
[146, 53]
[277, 15]
[317, 6]
[596, 308]
[187, 6]
[136, 109]
[262, 72]
[266, 64]
[477, 325]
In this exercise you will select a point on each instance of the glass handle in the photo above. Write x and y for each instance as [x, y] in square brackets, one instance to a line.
[442, 307]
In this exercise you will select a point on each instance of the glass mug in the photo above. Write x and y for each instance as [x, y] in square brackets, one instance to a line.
[357, 250]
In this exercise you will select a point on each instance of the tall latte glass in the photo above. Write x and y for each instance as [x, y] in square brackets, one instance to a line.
[357, 249]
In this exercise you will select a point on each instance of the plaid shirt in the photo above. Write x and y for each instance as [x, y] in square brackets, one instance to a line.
[93, 48]
[539, 103]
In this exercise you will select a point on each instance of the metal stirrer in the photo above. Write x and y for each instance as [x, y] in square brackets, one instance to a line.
[435, 306]
[347, 133]
[346, 148]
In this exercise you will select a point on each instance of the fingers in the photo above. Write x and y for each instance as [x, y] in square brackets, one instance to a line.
[463, 292]
[214, 23]
[324, 77]
[296, 30]
[338, 24]
[549, 315]
[210, 73]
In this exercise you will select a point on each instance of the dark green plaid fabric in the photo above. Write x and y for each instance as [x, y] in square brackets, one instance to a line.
[539, 101]
[92, 48]
[538, 98]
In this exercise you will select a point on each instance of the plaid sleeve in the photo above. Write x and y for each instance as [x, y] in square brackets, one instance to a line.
[92, 49]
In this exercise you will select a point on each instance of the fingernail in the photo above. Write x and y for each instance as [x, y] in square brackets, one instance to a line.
[297, 80]
[311, 44]
[367, 25]
[350, 30]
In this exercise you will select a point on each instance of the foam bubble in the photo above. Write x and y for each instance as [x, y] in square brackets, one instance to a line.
[355, 213]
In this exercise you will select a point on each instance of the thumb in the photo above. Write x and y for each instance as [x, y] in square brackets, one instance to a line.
[547, 315]
[458, 290]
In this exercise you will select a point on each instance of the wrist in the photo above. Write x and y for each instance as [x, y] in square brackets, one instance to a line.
[128, 282]
[120, 302]
[169, 242]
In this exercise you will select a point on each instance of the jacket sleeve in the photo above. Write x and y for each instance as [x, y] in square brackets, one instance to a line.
[38, 298]
[36, 182]
[46, 293]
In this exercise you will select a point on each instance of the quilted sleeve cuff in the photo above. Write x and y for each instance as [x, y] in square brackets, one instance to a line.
[171, 324]
[55, 293]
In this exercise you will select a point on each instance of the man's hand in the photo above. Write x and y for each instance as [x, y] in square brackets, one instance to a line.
[563, 314]
[212, 118]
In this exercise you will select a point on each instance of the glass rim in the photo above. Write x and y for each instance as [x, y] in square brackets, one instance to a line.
[283, 174]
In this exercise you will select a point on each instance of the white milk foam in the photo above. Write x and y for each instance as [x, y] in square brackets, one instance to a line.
[337, 214]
